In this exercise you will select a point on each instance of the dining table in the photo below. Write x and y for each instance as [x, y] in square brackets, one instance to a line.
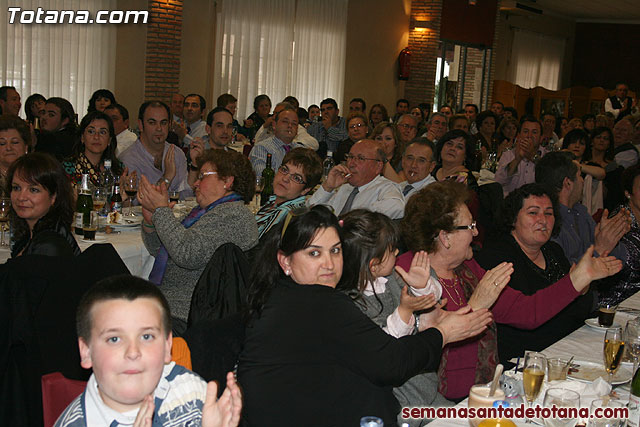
[585, 344]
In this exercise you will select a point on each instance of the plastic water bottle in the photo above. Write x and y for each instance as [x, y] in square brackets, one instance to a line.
[327, 165]
[108, 180]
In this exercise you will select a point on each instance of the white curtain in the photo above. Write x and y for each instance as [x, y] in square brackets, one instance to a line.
[65, 60]
[536, 59]
[280, 48]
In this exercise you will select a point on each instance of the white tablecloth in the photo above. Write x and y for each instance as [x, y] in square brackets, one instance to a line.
[584, 343]
[128, 244]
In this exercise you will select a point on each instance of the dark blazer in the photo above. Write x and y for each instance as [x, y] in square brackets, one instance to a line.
[313, 358]
[49, 238]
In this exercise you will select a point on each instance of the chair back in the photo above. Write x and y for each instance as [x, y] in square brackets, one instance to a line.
[222, 288]
[57, 393]
[180, 353]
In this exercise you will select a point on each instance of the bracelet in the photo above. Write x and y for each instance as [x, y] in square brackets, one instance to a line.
[417, 325]
[148, 225]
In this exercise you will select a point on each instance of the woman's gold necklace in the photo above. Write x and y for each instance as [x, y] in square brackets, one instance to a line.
[455, 289]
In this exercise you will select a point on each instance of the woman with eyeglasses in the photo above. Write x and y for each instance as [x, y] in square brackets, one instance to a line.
[438, 221]
[182, 246]
[96, 142]
[300, 171]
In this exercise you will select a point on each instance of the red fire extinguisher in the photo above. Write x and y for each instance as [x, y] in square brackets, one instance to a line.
[404, 64]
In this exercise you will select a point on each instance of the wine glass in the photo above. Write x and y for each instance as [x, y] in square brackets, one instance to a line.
[131, 188]
[533, 375]
[632, 340]
[100, 200]
[561, 397]
[256, 197]
[613, 351]
[5, 207]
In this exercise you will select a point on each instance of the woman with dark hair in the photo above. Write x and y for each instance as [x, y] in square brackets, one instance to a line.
[96, 143]
[577, 142]
[41, 207]
[455, 153]
[377, 114]
[420, 121]
[528, 223]
[183, 247]
[100, 100]
[627, 282]
[486, 123]
[57, 129]
[15, 139]
[438, 221]
[34, 107]
[262, 108]
[388, 136]
[308, 345]
[602, 155]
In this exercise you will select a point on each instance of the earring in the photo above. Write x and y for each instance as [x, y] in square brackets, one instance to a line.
[287, 272]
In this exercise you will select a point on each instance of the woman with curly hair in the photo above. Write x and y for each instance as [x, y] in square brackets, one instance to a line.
[183, 246]
[41, 207]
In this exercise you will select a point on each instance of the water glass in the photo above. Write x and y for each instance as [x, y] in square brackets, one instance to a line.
[611, 421]
[561, 397]
[557, 369]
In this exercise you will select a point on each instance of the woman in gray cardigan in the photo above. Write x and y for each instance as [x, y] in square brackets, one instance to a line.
[182, 247]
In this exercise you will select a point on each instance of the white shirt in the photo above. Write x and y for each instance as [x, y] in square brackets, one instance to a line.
[417, 186]
[379, 195]
[626, 158]
[124, 139]
[302, 138]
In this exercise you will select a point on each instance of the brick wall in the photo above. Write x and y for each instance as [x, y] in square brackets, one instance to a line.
[162, 61]
[423, 45]
[473, 77]
[494, 49]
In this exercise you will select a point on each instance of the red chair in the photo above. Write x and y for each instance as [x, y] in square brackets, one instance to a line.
[57, 393]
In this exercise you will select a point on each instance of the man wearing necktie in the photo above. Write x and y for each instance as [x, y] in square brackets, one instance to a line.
[360, 185]
[417, 165]
[279, 144]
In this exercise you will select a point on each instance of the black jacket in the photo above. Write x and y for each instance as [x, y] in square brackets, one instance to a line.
[313, 358]
[52, 238]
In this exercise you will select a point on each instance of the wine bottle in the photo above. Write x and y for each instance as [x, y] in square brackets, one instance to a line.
[267, 177]
[84, 205]
[634, 401]
[116, 199]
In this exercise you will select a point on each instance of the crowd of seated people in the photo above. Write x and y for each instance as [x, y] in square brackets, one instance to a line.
[567, 189]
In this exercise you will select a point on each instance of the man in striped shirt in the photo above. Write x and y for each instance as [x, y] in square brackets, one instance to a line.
[331, 130]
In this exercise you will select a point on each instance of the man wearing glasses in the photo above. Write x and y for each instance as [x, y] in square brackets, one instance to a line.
[279, 144]
[300, 171]
[417, 164]
[360, 185]
[407, 128]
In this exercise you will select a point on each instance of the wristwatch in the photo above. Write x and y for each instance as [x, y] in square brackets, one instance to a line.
[165, 180]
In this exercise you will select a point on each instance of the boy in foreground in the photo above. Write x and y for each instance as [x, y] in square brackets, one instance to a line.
[124, 334]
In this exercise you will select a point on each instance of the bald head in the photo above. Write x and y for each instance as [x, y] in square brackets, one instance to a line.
[365, 161]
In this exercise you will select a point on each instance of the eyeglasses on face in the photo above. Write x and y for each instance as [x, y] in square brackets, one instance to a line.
[420, 160]
[205, 174]
[471, 226]
[356, 125]
[359, 158]
[295, 177]
[406, 126]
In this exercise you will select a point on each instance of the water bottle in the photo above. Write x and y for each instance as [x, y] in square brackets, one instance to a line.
[327, 165]
[107, 180]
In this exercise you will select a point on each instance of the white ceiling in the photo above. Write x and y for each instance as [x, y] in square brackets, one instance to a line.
[592, 10]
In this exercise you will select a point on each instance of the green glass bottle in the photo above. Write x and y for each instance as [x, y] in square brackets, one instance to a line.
[267, 178]
[84, 205]
[634, 401]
